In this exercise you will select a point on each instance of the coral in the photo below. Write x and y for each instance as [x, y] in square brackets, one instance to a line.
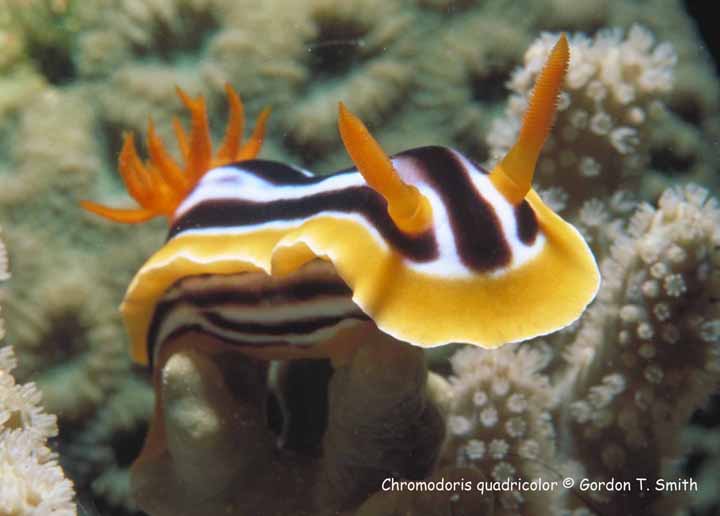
[60, 307]
[302, 57]
[78, 373]
[648, 352]
[64, 327]
[32, 481]
[210, 443]
[358, 54]
[43, 30]
[17, 88]
[100, 455]
[681, 148]
[569, 15]
[71, 163]
[499, 422]
[11, 43]
[463, 83]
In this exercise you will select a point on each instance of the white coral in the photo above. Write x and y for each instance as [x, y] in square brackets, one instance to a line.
[498, 421]
[652, 335]
[31, 481]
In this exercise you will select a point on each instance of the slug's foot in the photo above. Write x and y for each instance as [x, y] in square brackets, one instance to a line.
[211, 449]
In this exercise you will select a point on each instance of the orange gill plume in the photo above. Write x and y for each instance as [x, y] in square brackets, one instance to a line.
[161, 183]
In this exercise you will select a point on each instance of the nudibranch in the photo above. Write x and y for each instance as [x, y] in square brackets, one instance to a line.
[425, 245]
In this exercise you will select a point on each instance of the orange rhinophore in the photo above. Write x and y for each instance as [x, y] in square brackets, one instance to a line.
[409, 209]
[514, 174]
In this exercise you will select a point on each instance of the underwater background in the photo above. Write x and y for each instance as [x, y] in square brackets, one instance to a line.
[629, 391]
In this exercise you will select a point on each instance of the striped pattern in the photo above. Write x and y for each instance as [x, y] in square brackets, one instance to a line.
[257, 310]
[241, 263]
[474, 231]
